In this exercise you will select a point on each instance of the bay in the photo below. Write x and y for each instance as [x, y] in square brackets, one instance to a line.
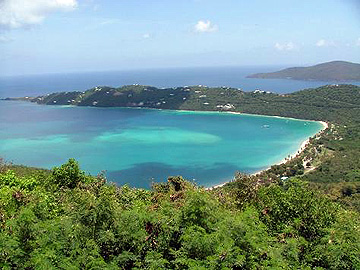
[139, 146]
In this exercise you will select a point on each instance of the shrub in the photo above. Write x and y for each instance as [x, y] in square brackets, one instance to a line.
[69, 174]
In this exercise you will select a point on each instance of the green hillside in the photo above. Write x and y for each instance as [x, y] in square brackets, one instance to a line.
[330, 71]
[68, 220]
[313, 104]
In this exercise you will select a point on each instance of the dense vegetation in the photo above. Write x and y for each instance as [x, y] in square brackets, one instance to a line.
[334, 103]
[65, 219]
[331, 71]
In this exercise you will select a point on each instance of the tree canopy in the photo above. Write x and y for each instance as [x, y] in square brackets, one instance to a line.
[65, 219]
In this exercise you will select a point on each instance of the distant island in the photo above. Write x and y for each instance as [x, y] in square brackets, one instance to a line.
[330, 71]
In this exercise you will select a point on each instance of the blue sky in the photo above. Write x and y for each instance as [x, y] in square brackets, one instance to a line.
[46, 36]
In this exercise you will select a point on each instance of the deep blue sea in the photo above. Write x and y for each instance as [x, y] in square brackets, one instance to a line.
[17, 86]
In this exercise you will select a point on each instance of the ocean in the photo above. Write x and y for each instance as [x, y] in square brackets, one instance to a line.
[140, 146]
[18, 86]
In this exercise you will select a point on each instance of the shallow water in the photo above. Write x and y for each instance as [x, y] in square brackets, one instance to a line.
[139, 146]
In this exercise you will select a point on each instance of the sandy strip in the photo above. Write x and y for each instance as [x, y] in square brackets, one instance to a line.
[290, 157]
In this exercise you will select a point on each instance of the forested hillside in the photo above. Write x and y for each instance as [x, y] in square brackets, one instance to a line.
[64, 219]
[328, 103]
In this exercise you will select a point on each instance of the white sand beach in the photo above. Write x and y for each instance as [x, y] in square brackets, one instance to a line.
[284, 160]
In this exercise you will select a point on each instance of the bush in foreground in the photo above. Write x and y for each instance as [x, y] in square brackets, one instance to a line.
[67, 220]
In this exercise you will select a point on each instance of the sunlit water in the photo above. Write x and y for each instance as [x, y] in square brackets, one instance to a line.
[139, 146]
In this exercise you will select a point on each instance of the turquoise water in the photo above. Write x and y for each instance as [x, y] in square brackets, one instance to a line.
[139, 146]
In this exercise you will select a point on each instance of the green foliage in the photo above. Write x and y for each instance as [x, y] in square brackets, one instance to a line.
[243, 189]
[69, 174]
[340, 247]
[294, 206]
[198, 210]
[11, 253]
[9, 179]
[96, 225]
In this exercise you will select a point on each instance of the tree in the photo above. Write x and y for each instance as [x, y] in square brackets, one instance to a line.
[69, 174]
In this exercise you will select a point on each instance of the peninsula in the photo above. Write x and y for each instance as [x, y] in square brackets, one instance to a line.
[330, 71]
[309, 104]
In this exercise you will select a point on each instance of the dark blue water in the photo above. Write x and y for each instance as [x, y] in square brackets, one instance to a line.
[219, 76]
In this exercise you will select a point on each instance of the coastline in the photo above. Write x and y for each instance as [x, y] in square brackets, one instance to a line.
[177, 110]
[284, 160]
[172, 110]
[236, 113]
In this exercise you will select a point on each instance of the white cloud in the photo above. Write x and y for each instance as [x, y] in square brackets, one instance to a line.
[321, 43]
[146, 36]
[287, 46]
[325, 43]
[205, 26]
[23, 13]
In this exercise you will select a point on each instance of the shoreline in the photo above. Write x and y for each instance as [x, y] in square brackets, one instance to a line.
[173, 110]
[284, 160]
[170, 110]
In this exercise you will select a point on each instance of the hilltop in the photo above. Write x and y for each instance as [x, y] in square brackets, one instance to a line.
[186, 98]
[330, 71]
[310, 104]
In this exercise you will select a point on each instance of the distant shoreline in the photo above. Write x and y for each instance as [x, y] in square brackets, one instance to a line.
[330, 71]
[186, 111]
[170, 110]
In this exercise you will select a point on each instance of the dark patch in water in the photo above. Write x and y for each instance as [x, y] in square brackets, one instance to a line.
[159, 172]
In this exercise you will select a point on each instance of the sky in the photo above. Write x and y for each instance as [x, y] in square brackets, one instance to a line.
[57, 36]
